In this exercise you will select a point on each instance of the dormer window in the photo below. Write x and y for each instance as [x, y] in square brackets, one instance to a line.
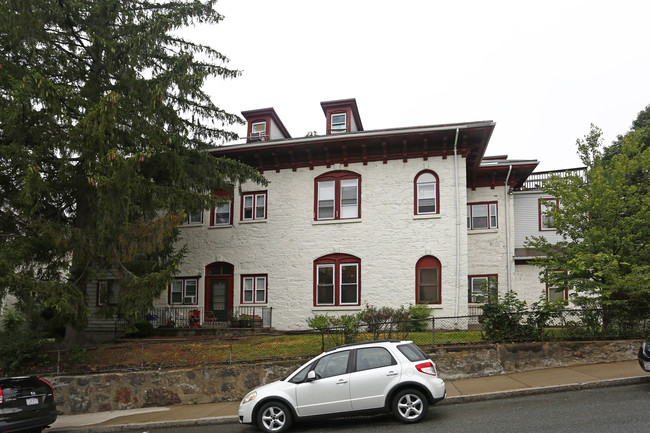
[258, 131]
[338, 123]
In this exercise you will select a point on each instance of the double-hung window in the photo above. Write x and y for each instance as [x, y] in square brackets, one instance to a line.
[253, 206]
[336, 280]
[254, 289]
[546, 221]
[338, 196]
[427, 281]
[194, 218]
[338, 123]
[482, 216]
[556, 288]
[222, 214]
[426, 193]
[183, 291]
[482, 288]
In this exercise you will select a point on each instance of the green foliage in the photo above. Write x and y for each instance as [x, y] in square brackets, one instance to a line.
[502, 319]
[376, 320]
[143, 329]
[603, 221]
[76, 354]
[20, 347]
[106, 128]
[418, 315]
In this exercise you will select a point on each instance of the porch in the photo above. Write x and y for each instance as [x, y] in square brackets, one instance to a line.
[200, 317]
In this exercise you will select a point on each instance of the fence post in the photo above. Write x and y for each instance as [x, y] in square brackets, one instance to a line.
[433, 331]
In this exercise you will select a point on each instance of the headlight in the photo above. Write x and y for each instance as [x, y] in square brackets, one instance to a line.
[249, 397]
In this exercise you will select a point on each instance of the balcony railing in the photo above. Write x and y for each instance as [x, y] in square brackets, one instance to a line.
[536, 180]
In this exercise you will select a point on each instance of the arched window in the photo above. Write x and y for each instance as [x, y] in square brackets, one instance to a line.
[427, 200]
[427, 281]
[337, 195]
[337, 280]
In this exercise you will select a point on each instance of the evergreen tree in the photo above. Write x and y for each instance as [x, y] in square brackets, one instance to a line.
[104, 136]
[603, 220]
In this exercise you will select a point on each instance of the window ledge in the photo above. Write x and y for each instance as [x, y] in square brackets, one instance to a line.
[225, 226]
[343, 221]
[194, 225]
[482, 231]
[252, 221]
[427, 216]
[334, 308]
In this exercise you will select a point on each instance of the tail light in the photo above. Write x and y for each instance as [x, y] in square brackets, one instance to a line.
[42, 380]
[1, 396]
[427, 368]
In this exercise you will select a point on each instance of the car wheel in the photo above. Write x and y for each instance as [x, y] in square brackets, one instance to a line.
[410, 405]
[274, 417]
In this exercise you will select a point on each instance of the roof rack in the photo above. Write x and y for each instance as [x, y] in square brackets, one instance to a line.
[361, 343]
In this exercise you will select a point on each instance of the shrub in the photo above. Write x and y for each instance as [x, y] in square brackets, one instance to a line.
[20, 346]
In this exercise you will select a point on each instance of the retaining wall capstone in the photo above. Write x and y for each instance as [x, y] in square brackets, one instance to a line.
[117, 391]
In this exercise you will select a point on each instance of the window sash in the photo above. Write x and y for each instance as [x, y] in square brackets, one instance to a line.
[260, 290]
[247, 213]
[482, 289]
[260, 206]
[546, 221]
[222, 214]
[338, 123]
[176, 296]
[428, 286]
[482, 216]
[349, 198]
[248, 289]
[426, 197]
[349, 287]
[325, 284]
[195, 218]
[326, 199]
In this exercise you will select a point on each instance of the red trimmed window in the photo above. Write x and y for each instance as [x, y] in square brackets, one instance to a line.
[221, 215]
[254, 289]
[427, 281]
[546, 222]
[482, 288]
[426, 193]
[107, 292]
[184, 291]
[482, 215]
[338, 123]
[337, 280]
[337, 196]
[194, 218]
[556, 290]
[253, 206]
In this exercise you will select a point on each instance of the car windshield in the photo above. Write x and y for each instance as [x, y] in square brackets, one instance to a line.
[412, 352]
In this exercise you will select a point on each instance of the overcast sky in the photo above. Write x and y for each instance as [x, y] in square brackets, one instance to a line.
[543, 71]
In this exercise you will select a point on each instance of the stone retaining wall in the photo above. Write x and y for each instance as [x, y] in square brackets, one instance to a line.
[116, 391]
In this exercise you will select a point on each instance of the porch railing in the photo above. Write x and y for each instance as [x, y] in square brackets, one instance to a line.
[195, 317]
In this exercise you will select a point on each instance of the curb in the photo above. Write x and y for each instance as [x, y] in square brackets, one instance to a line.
[451, 400]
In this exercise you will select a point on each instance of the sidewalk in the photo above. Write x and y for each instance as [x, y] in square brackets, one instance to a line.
[458, 391]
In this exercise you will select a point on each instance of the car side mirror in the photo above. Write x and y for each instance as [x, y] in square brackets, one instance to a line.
[311, 376]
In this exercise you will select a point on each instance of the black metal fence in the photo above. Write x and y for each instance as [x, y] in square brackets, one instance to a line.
[200, 317]
[245, 344]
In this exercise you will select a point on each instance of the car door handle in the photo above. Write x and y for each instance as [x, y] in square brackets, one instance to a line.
[341, 382]
[391, 373]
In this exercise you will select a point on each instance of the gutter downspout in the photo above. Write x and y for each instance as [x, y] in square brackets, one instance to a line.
[507, 200]
[457, 225]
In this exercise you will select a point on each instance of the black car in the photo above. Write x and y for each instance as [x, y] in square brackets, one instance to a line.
[26, 404]
[644, 355]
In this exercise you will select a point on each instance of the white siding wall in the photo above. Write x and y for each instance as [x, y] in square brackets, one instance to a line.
[388, 239]
[527, 217]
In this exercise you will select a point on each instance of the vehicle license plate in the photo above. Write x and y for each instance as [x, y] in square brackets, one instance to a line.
[647, 365]
[32, 401]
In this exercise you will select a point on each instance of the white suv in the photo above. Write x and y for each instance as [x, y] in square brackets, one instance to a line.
[375, 376]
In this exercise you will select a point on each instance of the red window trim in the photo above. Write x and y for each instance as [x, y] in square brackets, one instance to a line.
[469, 285]
[212, 211]
[337, 176]
[488, 203]
[254, 277]
[415, 193]
[267, 131]
[254, 194]
[539, 212]
[337, 260]
[428, 262]
[334, 111]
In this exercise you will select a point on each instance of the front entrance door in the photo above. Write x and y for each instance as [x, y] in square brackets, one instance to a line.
[218, 291]
[219, 301]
